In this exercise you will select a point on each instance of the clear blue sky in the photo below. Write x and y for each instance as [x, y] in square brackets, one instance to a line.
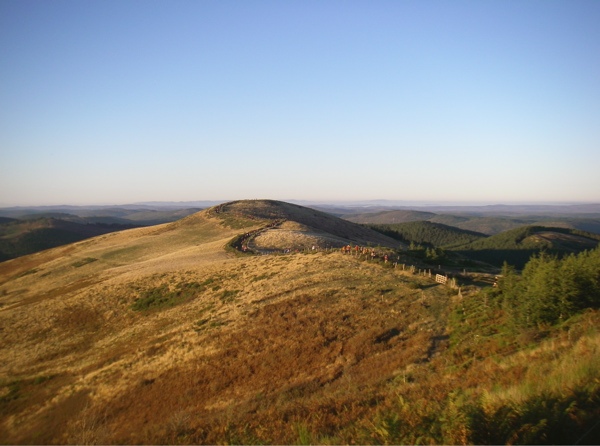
[112, 102]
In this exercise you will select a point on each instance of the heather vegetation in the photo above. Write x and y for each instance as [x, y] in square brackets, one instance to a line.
[550, 313]
[522, 366]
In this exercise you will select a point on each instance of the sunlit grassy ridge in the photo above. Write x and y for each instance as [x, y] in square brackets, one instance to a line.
[166, 337]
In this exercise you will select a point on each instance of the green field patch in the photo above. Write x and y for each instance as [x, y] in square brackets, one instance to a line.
[228, 295]
[263, 277]
[10, 391]
[235, 221]
[84, 262]
[127, 254]
[207, 324]
[28, 272]
[167, 296]
[41, 379]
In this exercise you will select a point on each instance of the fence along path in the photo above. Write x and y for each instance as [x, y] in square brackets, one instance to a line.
[244, 244]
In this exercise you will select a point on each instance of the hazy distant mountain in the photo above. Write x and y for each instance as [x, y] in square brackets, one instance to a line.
[389, 217]
[493, 221]
[130, 214]
[583, 210]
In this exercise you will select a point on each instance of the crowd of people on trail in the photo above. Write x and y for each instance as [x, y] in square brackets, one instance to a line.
[366, 252]
[362, 252]
[381, 254]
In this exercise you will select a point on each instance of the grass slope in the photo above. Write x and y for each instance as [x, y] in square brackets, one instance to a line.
[159, 335]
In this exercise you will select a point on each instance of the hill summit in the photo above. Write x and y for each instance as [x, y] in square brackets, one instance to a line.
[290, 226]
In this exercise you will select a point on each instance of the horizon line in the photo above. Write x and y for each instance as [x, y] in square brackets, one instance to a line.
[343, 202]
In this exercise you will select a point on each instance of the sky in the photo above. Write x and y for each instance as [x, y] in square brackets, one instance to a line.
[115, 102]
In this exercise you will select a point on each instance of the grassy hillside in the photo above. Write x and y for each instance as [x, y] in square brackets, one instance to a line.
[161, 335]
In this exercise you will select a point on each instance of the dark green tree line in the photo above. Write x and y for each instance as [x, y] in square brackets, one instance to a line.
[550, 289]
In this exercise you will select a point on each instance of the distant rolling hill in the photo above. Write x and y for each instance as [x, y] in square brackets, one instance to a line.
[582, 224]
[516, 246]
[485, 223]
[429, 233]
[389, 217]
[21, 237]
[141, 216]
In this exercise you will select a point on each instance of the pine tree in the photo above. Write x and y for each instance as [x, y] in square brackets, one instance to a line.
[550, 289]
